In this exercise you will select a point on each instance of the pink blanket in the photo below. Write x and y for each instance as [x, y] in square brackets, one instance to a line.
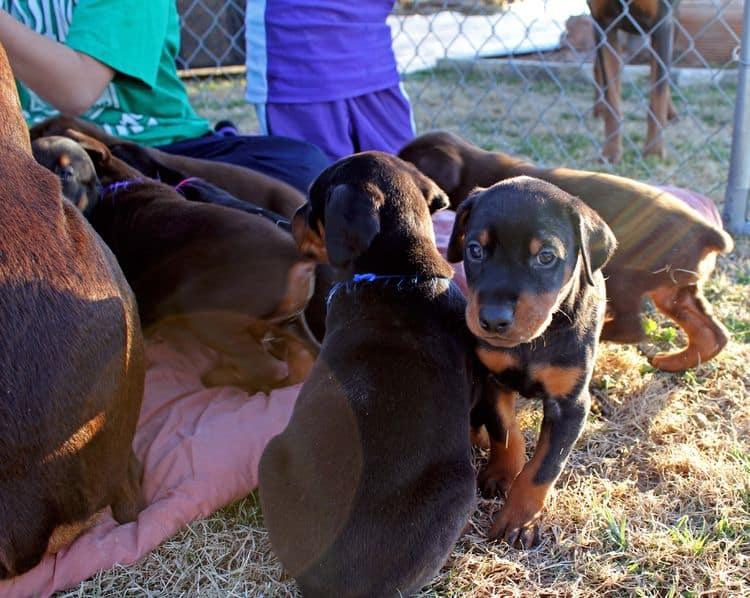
[200, 449]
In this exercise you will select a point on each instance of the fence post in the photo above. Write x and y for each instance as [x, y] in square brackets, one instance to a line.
[738, 186]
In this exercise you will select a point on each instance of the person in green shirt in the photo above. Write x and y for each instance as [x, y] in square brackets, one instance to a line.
[112, 62]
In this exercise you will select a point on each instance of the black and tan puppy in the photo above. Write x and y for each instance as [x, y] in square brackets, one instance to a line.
[74, 168]
[533, 256]
[234, 279]
[371, 483]
[71, 361]
[665, 250]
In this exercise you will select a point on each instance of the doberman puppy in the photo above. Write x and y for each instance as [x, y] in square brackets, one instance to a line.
[533, 256]
[243, 183]
[73, 167]
[71, 361]
[654, 18]
[666, 250]
[371, 483]
[234, 279]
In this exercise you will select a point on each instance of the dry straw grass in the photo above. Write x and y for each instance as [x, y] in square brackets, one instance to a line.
[655, 500]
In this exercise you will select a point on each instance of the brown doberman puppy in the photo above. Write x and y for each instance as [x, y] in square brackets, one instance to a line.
[234, 279]
[71, 361]
[650, 17]
[533, 256]
[243, 183]
[666, 250]
[73, 167]
[371, 483]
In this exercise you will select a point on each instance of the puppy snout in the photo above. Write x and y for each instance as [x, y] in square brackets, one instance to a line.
[65, 172]
[496, 318]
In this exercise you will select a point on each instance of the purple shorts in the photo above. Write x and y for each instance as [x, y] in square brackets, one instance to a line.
[381, 120]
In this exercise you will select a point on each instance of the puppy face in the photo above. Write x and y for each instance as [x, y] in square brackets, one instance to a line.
[359, 198]
[523, 243]
[70, 162]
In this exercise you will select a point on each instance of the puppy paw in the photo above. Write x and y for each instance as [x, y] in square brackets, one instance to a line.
[495, 481]
[519, 530]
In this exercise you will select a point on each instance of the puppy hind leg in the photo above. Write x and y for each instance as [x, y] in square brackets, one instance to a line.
[688, 308]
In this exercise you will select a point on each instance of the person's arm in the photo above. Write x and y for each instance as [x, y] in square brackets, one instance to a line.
[70, 81]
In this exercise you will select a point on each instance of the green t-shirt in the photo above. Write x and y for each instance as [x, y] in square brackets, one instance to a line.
[146, 100]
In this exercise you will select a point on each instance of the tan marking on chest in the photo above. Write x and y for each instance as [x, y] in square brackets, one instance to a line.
[497, 361]
[557, 381]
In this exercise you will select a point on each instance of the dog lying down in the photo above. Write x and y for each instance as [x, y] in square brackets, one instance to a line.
[666, 250]
[234, 279]
[371, 483]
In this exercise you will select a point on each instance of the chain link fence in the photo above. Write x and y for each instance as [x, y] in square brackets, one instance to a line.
[517, 76]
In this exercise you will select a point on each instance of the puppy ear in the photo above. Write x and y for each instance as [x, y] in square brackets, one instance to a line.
[310, 241]
[455, 251]
[442, 165]
[352, 221]
[435, 197]
[596, 240]
[97, 151]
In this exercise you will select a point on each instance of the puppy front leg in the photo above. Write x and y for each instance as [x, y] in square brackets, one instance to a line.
[564, 417]
[507, 451]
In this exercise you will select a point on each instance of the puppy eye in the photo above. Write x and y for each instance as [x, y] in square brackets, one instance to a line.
[474, 251]
[546, 257]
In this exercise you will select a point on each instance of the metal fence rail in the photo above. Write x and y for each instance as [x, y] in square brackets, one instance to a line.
[517, 76]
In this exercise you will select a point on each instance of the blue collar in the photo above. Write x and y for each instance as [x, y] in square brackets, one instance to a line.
[399, 279]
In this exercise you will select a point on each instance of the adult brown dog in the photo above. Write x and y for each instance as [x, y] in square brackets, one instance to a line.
[71, 361]
[666, 251]
[371, 483]
[243, 183]
[533, 256]
[654, 18]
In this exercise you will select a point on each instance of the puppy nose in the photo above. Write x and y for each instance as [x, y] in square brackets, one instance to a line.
[496, 318]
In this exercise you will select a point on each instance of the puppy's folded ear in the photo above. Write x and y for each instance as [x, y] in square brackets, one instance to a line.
[435, 197]
[310, 239]
[97, 151]
[596, 240]
[437, 200]
[352, 222]
[455, 251]
[442, 165]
